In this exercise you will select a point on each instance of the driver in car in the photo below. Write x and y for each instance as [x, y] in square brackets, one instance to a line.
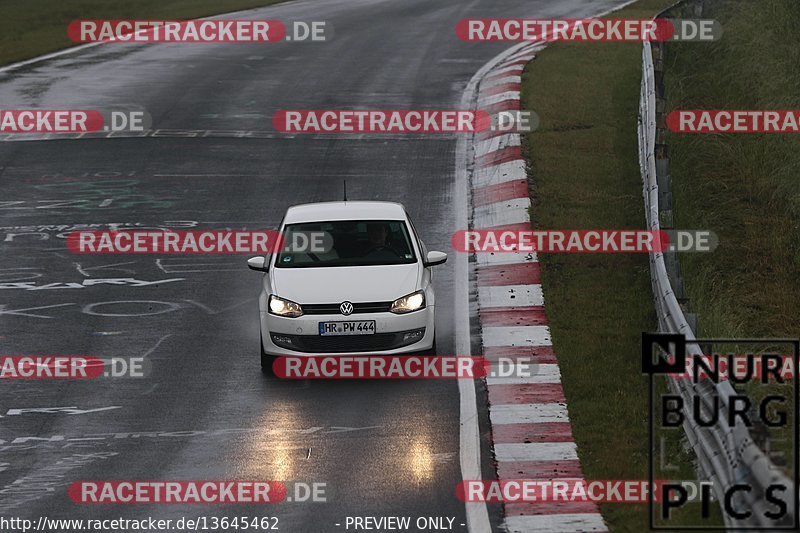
[377, 235]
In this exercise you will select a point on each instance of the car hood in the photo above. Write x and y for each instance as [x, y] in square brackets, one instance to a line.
[381, 283]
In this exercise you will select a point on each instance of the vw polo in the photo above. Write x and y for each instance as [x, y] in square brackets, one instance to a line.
[367, 289]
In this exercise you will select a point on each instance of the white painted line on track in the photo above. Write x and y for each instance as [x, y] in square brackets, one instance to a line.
[510, 296]
[545, 373]
[501, 81]
[494, 174]
[514, 211]
[529, 53]
[494, 336]
[536, 451]
[547, 523]
[513, 69]
[497, 98]
[496, 143]
[530, 413]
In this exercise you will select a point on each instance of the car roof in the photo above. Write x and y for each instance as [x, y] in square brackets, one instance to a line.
[360, 210]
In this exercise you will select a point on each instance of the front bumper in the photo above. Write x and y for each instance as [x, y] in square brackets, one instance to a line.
[394, 334]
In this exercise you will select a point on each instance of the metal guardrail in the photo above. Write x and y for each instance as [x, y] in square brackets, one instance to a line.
[726, 455]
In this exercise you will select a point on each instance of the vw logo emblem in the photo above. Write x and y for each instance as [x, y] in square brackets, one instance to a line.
[346, 308]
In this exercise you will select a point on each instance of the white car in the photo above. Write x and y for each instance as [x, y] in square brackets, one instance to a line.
[364, 289]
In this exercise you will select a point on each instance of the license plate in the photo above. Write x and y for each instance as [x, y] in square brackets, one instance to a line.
[356, 327]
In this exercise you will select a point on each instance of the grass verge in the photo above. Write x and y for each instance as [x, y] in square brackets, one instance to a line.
[584, 172]
[743, 187]
[31, 28]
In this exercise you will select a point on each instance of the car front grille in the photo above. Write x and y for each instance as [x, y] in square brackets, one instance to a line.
[333, 309]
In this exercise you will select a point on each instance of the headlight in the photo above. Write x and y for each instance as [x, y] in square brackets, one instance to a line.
[411, 302]
[279, 306]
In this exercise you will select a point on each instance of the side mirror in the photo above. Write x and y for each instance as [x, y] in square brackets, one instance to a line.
[435, 258]
[258, 263]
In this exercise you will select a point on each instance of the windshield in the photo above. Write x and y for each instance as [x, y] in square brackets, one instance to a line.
[346, 243]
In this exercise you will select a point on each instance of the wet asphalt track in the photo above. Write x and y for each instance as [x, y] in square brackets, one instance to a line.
[206, 411]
